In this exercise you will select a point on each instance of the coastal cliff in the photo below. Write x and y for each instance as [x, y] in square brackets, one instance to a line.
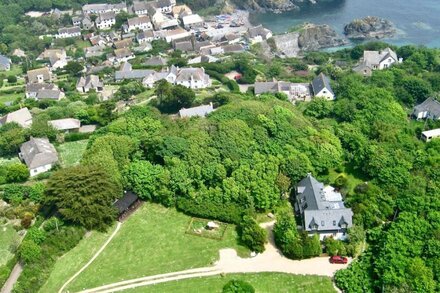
[370, 27]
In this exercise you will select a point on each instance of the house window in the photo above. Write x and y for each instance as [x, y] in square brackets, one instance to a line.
[334, 223]
[322, 223]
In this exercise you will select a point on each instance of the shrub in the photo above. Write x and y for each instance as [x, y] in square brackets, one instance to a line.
[225, 212]
[36, 235]
[29, 251]
[334, 247]
[12, 79]
[252, 235]
[16, 172]
[26, 221]
[238, 286]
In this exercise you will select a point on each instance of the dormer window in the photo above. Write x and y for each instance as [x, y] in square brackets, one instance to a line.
[322, 223]
[334, 223]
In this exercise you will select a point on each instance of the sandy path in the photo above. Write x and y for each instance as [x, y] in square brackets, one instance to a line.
[269, 261]
[118, 226]
[13, 277]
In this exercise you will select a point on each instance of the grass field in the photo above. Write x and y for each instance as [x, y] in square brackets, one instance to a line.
[74, 260]
[5, 98]
[152, 241]
[7, 237]
[72, 152]
[262, 282]
[5, 161]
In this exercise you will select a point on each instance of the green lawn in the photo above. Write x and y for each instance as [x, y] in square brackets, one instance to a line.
[7, 237]
[4, 98]
[152, 241]
[74, 260]
[262, 282]
[72, 152]
[5, 161]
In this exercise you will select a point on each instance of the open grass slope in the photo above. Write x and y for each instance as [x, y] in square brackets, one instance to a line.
[74, 260]
[72, 152]
[152, 241]
[7, 237]
[262, 282]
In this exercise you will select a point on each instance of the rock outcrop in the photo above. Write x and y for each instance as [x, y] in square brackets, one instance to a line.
[275, 6]
[370, 27]
[313, 37]
[310, 37]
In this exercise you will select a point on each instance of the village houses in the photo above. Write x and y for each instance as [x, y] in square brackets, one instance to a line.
[376, 60]
[69, 32]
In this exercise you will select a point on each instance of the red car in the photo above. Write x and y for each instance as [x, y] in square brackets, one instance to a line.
[338, 259]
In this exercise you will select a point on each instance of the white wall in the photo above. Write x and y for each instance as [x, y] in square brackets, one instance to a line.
[39, 170]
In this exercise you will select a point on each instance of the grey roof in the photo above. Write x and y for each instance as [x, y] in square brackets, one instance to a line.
[145, 34]
[199, 111]
[258, 30]
[4, 61]
[138, 20]
[106, 16]
[22, 117]
[87, 128]
[69, 30]
[125, 43]
[184, 46]
[38, 152]
[133, 74]
[321, 82]
[186, 74]
[163, 3]
[91, 81]
[65, 124]
[52, 94]
[321, 210]
[33, 74]
[124, 52]
[375, 57]
[156, 61]
[431, 106]
[35, 87]
[266, 87]
[139, 6]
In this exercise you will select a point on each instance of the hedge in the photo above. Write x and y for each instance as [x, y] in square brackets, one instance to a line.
[226, 212]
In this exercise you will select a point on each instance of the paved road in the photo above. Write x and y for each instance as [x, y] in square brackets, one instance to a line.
[269, 261]
[13, 277]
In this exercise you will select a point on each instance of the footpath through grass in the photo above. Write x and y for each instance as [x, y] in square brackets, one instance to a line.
[262, 282]
[72, 152]
[7, 238]
[151, 241]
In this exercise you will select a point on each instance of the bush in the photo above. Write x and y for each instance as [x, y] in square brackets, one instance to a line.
[30, 251]
[334, 247]
[252, 235]
[238, 286]
[26, 221]
[35, 235]
[12, 79]
[16, 172]
[76, 136]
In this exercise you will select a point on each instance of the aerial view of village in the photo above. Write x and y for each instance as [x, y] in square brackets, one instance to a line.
[219, 146]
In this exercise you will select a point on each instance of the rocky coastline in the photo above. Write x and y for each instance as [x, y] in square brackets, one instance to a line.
[370, 27]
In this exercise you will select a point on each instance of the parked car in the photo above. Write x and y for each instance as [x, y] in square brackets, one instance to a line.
[338, 259]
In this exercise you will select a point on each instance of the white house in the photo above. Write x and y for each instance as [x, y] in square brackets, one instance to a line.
[56, 57]
[194, 78]
[106, 20]
[199, 111]
[140, 8]
[294, 91]
[5, 63]
[377, 60]
[22, 117]
[146, 36]
[258, 34]
[123, 55]
[430, 134]
[321, 87]
[66, 124]
[138, 23]
[69, 32]
[40, 75]
[91, 82]
[39, 155]
[104, 8]
[429, 109]
[192, 21]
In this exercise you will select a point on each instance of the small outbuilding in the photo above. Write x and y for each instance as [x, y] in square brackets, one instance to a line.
[127, 204]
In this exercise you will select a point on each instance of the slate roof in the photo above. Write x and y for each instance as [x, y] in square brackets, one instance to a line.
[140, 6]
[375, 57]
[199, 111]
[4, 61]
[321, 82]
[266, 87]
[431, 106]
[38, 152]
[138, 20]
[123, 43]
[125, 202]
[91, 81]
[50, 94]
[185, 46]
[186, 74]
[22, 117]
[322, 207]
[35, 87]
[124, 52]
[156, 61]
[69, 30]
[65, 124]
